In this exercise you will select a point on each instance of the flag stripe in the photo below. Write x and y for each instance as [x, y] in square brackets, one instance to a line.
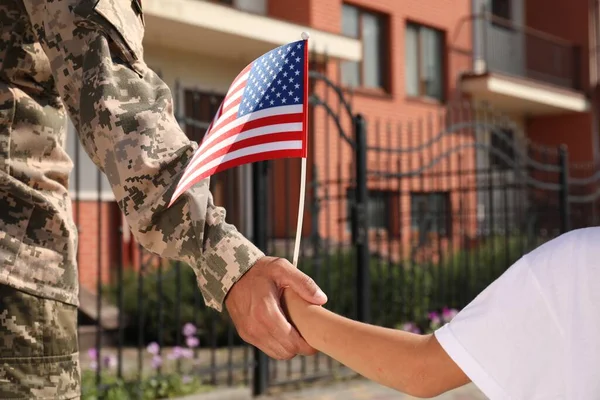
[234, 136]
[235, 122]
[253, 141]
[239, 157]
[251, 126]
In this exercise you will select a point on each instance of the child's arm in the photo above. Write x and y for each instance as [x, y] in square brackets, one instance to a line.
[413, 364]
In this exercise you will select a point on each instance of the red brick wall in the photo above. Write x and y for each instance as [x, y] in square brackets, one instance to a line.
[565, 19]
[392, 111]
[574, 130]
[98, 241]
[290, 10]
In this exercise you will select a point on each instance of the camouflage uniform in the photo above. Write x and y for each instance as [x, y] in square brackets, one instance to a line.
[83, 59]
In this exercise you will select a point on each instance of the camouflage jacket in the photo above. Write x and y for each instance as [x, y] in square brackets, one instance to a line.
[83, 59]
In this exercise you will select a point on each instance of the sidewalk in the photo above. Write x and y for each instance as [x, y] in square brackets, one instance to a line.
[365, 390]
[358, 389]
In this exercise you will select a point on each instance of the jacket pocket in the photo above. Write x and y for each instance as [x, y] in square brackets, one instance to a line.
[123, 22]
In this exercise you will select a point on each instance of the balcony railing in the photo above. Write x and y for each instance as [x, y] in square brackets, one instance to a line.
[521, 51]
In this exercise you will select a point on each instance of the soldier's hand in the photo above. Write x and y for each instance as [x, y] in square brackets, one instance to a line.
[254, 304]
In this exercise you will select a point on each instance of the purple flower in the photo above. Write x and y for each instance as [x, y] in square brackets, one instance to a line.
[153, 348]
[93, 365]
[192, 342]
[189, 330]
[156, 361]
[411, 327]
[176, 353]
[449, 314]
[110, 361]
[187, 353]
[186, 379]
[93, 353]
[435, 318]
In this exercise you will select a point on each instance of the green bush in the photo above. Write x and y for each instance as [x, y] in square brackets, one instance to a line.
[400, 292]
[178, 300]
[149, 388]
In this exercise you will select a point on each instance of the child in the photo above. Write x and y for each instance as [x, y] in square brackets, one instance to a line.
[533, 334]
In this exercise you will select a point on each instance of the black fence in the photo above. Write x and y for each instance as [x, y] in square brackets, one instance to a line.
[406, 222]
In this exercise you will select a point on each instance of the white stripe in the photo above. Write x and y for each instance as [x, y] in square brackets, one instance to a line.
[264, 130]
[243, 79]
[234, 155]
[230, 100]
[295, 109]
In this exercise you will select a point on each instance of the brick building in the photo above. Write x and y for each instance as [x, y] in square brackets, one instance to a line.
[396, 60]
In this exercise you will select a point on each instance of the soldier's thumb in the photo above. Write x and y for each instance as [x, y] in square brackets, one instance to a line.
[304, 286]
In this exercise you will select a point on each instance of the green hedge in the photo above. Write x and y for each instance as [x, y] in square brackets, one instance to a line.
[400, 293]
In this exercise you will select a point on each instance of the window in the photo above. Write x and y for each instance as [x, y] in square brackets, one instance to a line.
[200, 109]
[379, 208]
[424, 62]
[371, 29]
[502, 9]
[502, 141]
[430, 213]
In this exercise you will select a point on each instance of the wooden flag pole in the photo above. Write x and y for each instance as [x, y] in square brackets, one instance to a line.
[300, 211]
[305, 36]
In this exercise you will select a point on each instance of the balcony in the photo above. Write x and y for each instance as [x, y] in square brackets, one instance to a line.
[233, 30]
[517, 68]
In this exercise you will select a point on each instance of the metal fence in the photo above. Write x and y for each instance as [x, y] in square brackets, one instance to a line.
[405, 222]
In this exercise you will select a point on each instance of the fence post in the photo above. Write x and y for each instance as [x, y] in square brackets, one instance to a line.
[565, 212]
[259, 204]
[360, 222]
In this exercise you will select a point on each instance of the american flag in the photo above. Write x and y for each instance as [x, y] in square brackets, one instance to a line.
[262, 117]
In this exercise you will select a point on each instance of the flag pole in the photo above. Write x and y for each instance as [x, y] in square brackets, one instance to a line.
[305, 36]
[300, 211]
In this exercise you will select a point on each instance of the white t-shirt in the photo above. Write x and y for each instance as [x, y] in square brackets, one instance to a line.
[534, 333]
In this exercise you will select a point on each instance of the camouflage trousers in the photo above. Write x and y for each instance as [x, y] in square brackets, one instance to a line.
[39, 356]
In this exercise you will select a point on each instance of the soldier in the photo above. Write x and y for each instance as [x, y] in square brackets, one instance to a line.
[83, 59]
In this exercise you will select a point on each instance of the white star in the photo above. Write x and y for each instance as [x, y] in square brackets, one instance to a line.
[288, 48]
[290, 93]
[261, 105]
[292, 81]
[293, 53]
[277, 64]
[298, 59]
[285, 74]
[273, 90]
[297, 86]
[296, 99]
[292, 67]
[284, 87]
[278, 95]
[283, 100]
[299, 46]
[268, 96]
[285, 61]
[279, 82]
[297, 73]
[280, 69]
[272, 102]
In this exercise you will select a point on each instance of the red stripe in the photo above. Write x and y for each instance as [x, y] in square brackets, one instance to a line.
[253, 141]
[268, 155]
[237, 78]
[257, 123]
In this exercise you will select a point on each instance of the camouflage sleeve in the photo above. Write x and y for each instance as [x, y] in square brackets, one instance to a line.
[123, 113]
